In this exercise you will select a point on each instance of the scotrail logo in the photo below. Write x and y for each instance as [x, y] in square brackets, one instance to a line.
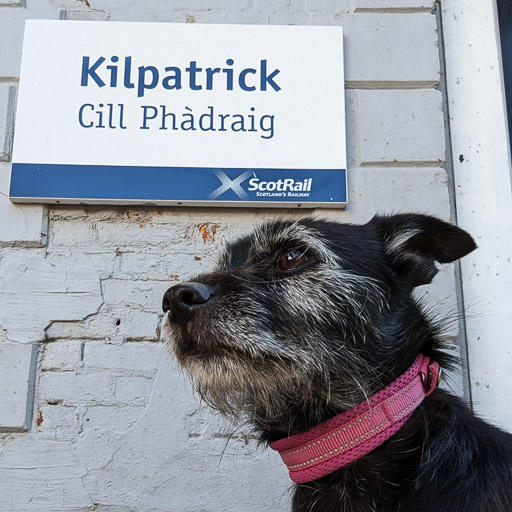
[288, 187]
[229, 184]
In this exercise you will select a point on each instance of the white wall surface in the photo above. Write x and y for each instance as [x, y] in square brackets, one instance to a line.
[102, 419]
[483, 191]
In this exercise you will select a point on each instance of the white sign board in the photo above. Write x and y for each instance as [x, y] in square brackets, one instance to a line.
[187, 114]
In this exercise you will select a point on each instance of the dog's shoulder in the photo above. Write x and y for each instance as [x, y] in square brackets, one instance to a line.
[466, 461]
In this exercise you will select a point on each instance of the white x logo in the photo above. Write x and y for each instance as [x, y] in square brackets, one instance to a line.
[229, 184]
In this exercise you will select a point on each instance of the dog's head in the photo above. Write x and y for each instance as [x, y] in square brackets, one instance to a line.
[309, 311]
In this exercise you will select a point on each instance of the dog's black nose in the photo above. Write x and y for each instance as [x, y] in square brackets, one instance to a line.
[181, 299]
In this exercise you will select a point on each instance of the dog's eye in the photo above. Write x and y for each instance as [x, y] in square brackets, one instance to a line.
[292, 259]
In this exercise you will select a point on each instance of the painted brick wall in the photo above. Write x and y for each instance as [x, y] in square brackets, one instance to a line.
[94, 414]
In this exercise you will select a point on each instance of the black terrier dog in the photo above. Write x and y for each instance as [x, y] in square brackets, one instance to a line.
[307, 329]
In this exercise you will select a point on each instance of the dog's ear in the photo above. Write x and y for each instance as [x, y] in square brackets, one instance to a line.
[415, 242]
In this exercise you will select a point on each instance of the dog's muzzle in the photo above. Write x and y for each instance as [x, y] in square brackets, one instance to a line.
[183, 299]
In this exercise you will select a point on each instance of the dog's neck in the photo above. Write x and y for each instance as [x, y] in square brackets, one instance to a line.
[296, 414]
[355, 433]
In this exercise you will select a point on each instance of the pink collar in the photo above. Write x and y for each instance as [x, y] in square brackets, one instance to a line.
[354, 433]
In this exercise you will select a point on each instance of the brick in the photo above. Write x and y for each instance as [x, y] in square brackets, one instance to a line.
[79, 330]
[184, 11]
[128, 293]
[136, 265]
[133, 324]
[58, 5]
[393, 48]
[352, 127]
[115, 325]
[127, 298]
[69, 388]
[57, 420]
[188, 265]
[326, 6]
[35, 291]
[128, 357]
[132, 390]
[131, 234]
[27, 226]
[381, 190]
[36, 274]
[401, 126]
[62, 355]
[7, 103]
[272, 12]
[17, 373]
[118, 418]
[87, 15]
[44, 472]
[382, 5]
[139, 15]
[73, 235]
[159, 8]
[164, 266]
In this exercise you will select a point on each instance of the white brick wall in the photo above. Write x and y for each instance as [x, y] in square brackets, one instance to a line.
[394, 121]
[115, 426]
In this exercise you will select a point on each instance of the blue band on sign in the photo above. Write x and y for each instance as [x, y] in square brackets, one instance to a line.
[104, 182]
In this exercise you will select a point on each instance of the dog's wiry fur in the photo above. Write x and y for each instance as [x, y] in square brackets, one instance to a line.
[302, 320]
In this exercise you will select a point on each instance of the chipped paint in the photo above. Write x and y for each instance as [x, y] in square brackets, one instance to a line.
[207, 231]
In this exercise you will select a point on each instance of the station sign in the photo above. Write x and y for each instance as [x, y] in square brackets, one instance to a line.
[180, 114]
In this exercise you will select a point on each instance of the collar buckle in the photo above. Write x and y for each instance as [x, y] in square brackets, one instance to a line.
[430, 374]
